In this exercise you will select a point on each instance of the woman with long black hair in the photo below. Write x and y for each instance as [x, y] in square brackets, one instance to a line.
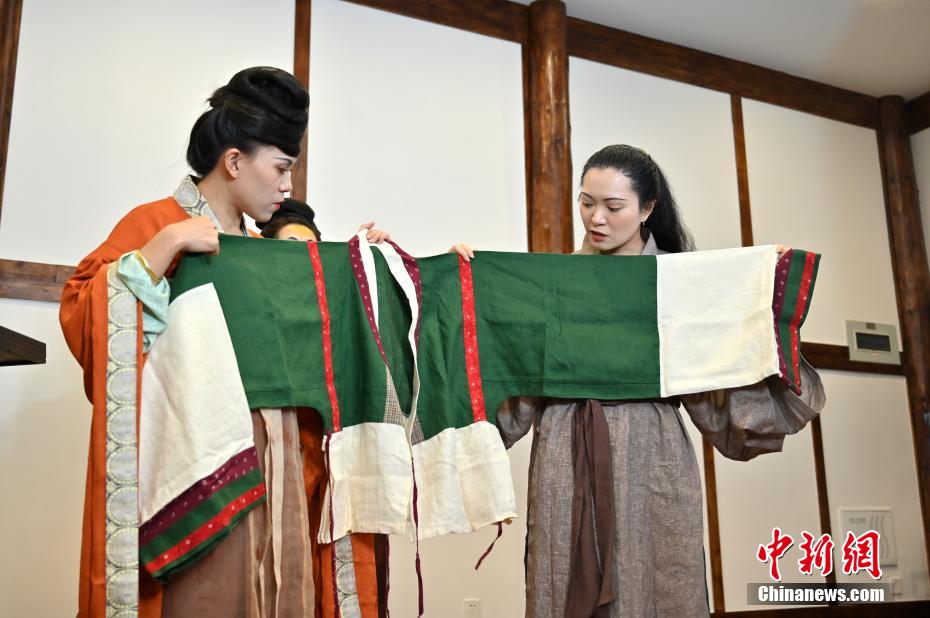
[640, 551]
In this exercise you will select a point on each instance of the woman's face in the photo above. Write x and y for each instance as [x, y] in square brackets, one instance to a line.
[263, 179]
[296, 231]
[611, 212]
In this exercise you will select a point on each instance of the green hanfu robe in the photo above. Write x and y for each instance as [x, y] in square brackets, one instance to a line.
[408, 362]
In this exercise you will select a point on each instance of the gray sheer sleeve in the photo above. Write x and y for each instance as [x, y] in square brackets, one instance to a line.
[743, 423]
[516, 416]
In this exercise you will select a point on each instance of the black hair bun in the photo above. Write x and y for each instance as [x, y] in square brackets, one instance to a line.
[270, 89]
[259, 106]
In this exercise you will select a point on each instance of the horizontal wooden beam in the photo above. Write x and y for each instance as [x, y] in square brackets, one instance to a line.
[862, 610]
[496, 18]
[826, 356]
[918, 114]
[17, 349]
[654, 57]
[33, 280]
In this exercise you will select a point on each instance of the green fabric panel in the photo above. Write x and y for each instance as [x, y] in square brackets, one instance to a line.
[566, 327]
[394, 324]
[198, 516]
[357, 365]
[444, 396]
[268, 295]
[536, 333]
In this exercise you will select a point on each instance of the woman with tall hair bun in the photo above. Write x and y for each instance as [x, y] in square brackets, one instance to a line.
[223, 562]
[648, 560]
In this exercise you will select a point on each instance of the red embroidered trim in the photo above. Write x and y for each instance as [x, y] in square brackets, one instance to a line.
[782, 267]
[470, 329]
[358, 270]
[799, 310]
[208, 529]
[327, 339]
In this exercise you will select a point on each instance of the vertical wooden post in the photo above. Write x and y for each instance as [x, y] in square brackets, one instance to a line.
[713, 527]
[911, 281]
[820, 475]
[302, 73]
[742, 170]
[10, 15]
[549, 177]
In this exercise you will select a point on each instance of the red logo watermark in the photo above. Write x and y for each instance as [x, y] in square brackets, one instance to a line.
[860, 553]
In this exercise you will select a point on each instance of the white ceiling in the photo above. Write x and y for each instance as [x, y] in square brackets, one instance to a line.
[876, 47]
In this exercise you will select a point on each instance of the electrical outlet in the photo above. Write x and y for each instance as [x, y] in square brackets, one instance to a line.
[472, 608]
[896, 587]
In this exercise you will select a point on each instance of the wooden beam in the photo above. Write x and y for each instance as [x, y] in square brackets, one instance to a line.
[646, 55]
[549, 204]
[742, 170]
[17, 349]
[836, 357]
[302, 73]
[918, 113]
[527, 140]
[32, 280]
[496, 18]
[912, 282]
[899, 609]
[820, 474]
[10, 16]
[713, 527]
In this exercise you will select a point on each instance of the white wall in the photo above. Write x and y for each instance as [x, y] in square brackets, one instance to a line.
[44, 433]
[920, 147]
[105, 96]
[816, 184]
[421, 128]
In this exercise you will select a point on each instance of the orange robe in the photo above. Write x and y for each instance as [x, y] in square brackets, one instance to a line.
[84, 321]
[84, 316]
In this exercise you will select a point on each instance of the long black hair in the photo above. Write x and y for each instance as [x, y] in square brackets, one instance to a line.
[259, 106]
[650, 185]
